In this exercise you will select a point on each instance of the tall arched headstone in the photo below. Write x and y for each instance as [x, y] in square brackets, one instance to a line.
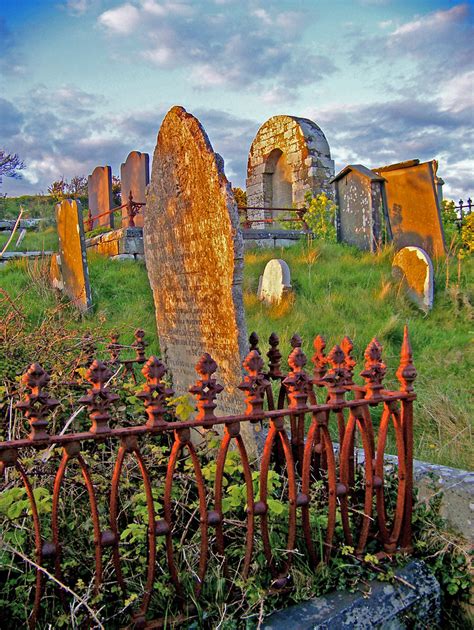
[72, 253]
[194, 258]
[288, 157]
[134, 178]
[99, 188]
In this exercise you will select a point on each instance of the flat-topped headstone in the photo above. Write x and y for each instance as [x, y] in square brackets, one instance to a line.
[134, 178]
[72, 252]
[414, 266]
[413, 205]
[99, 188]
[275, 282]
[194, 258]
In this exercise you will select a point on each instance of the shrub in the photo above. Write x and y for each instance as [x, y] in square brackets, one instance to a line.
[320, 216]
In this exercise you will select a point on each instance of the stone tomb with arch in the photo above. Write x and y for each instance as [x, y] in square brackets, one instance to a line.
[288, 157]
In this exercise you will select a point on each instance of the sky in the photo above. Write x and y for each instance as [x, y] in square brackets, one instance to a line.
[84, 82]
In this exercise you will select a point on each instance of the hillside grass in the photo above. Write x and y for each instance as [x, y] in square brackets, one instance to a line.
[338, 291]
[35, 206]
[41, 241]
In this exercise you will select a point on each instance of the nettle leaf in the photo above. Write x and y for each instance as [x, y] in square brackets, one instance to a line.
[277, 507]
[226, 504]
[15, 509]
[10, 496]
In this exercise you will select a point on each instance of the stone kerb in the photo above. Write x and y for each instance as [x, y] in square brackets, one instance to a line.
[275, 282]
[413, 266]
[288, 157]
[72, 252]
[135, 177]
[194, 257]
[99, 188]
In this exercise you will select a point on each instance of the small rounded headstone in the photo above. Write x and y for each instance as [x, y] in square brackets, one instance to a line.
[275, 282]
[414, 266]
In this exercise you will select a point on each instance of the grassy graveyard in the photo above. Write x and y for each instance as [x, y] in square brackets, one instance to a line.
[338, 290]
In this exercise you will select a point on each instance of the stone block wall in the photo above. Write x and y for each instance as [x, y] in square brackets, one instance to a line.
[302, 146]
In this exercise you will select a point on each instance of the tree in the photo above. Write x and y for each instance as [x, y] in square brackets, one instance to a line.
[10, 164]
[240, 196]
[59, 189]
[116, 191]
[78, 186]
[63, 189]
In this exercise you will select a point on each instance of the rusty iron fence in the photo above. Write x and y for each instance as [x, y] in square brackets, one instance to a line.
[133, 208]
[247, 221]
[298, 434]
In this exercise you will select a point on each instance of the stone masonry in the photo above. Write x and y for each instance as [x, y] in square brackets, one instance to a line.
[288, 157]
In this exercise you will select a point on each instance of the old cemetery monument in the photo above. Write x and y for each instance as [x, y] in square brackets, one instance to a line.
[275, 283]
[194, 257]
[99, 187]
[243, 462]
[414, 267]
[70, 273]
[134, 178]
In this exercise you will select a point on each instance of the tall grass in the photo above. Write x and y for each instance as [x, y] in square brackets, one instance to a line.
[338, 291]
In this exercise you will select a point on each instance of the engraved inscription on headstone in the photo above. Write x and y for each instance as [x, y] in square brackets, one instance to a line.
[194, 256]
[414, 266]
[99, 187]
[135, 177]
[275, 282]
[72, 252]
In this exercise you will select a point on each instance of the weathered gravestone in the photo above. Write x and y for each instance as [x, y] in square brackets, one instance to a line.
[275, 282]
[413, 206]
[194, 257]
[359, 197]
[134, 178]
[55, 272]
[72, 252]
[99, 188]
[414, 266]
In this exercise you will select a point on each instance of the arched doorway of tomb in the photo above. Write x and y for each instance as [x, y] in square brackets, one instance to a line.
[278, 181]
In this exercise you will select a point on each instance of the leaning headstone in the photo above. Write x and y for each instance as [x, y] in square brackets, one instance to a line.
[99, 188]
[413, 205]
[20, 237]
[72, 252]
[55, 272]
[414, 267]
[275, 282]
[194, 258]
[134, 178]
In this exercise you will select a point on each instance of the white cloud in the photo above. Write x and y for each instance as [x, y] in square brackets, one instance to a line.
[160, 56]
[121, 20]
[251, 47]
[435, 21]
[457, 94]
[78, 7]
